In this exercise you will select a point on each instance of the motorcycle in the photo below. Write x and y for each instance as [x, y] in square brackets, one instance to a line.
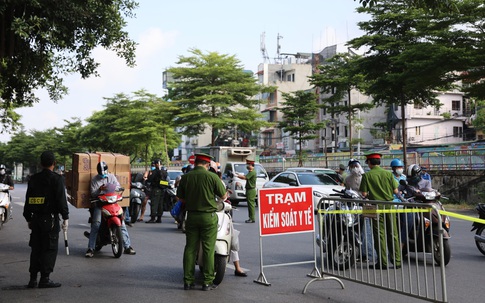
[341, 240]
[137, 196]
[480, 228]
[424, 235]
[169, 197]
[5, 207]
[111, 220]
[223, 243]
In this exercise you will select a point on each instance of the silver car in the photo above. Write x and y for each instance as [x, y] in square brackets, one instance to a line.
[322, 184]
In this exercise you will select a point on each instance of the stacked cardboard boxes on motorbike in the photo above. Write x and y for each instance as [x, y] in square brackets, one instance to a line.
[84, 168]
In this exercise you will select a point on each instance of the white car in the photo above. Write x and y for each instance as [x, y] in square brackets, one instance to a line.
[322, 184]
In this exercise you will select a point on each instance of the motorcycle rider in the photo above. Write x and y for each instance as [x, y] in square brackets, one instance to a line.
[98, 187]
[414, 178]
[406, 219]
[158, 180]
[6, 179]
[352, 181]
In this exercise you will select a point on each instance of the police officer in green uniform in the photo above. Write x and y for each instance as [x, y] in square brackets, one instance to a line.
[198, 190]
[250, 178]
[380, 184]
[44, 201]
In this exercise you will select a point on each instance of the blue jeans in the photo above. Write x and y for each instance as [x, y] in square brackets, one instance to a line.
[96, 222]
[367, 242]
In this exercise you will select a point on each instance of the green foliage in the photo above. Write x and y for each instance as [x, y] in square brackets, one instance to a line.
[479, 120]
[427, 4]
[137, 125]
[300, 110]
[40, 41]
[212, 90]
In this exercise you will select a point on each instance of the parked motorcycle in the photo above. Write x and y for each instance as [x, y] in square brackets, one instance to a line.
[424, 235]
[169, 197]
[111, 220]
[223, 243]
[5, 207]
[480, 228]
[341, 240]
[137, 196]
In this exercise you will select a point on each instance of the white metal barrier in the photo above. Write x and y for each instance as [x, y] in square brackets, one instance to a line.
[413, 237]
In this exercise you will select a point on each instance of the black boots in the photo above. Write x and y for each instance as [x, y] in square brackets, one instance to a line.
[159, 219]
[152, 220]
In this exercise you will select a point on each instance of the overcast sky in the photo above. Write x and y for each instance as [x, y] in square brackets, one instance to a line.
[165, 30]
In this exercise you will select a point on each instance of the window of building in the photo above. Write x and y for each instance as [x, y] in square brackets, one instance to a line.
[418, 105]
[455, 105]
[457, 131]
[418, 130]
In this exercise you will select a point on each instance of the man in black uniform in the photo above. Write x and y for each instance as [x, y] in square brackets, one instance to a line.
[44, 201]
[158, 183]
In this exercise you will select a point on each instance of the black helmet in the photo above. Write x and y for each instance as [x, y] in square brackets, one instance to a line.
[102, 168]
[157, 161]
[413, 171]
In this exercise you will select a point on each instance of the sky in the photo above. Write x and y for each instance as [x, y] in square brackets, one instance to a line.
[165, 30]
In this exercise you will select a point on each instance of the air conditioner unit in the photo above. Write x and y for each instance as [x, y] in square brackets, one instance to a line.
[194, 141]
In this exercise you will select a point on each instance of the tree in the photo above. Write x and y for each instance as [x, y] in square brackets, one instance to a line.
[336, 78]
[42, 40]
[212, 90]
[136, 125]
[429, 4]
[300, 111]
[406, 61]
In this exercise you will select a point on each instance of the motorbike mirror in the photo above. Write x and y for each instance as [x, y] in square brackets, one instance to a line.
[403, 182]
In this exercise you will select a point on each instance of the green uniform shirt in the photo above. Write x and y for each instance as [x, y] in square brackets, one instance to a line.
[379, 183]
[199, 189]
[251, 180]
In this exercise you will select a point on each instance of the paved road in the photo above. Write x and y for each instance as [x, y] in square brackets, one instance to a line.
[154, 274]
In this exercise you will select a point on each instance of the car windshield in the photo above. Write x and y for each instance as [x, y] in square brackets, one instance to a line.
[316, 179]
[173, 174]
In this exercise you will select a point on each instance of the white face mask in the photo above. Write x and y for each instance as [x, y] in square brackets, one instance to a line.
[399, 171]
[2, 171]
[355, 170]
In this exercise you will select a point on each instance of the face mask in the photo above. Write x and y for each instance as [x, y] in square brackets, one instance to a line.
[247, 167]
[399, 171]
[2, 171]
[104, 176]
[355, 170]
[152, 168]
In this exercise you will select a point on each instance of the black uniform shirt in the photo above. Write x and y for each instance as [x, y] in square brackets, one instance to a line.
[50, 186]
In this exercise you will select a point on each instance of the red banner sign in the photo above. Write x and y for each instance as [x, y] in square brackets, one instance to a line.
[285, 210]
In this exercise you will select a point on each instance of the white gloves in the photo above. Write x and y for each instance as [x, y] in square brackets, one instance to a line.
[65, 224]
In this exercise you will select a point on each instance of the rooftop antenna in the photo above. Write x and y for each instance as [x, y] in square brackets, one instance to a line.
[263, 48]
[278, 46]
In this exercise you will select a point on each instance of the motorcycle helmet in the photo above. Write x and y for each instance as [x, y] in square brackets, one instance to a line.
[102, 169]
[413, 170]
[397, 163]
[2, 169]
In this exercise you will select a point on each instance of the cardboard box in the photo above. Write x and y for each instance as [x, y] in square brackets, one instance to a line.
[84, 169]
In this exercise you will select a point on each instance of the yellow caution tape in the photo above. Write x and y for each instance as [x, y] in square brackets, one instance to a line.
[468, 218]
[404, 210]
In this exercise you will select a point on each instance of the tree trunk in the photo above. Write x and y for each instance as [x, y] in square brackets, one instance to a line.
[404, 133]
